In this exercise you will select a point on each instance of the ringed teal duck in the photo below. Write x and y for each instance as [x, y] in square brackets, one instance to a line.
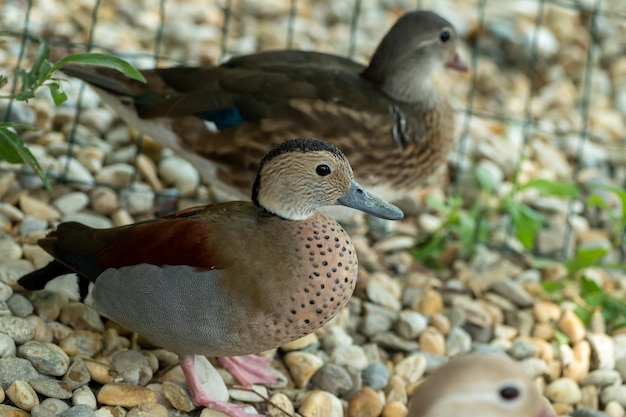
[231, 278]
[479, 384]
[387, 117]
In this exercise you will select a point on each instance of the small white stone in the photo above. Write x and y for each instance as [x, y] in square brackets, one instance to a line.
[85, 396]
[179, 173]
[352, 356]
[71, 202]
[137, 199]
[255, 394]
[564, 390]
[384, 290]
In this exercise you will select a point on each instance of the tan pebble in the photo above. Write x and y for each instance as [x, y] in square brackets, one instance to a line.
[321, 404]
[502, 331]
[543, 331]
[148, 410]
[563, 390]
[589, 398]
[36, 255]
[22, 395]
[60, 332]
[546, 311]
[82, 342]
[579, 367]
[178, 396]
[108, 411]
[299, 344]
[8, 411]
[37, 208]
[104, 200]
[253, 394]
[546, 352]
[122, 217]
[302, 366]
[572, 326]
[429, 303]
[411, 368]
[495, 313]
[395, 409]
[91, 157]
[562, 409]
[147, 170]
[614, 409]
[125, 395]
[365, 403]
[101, 373]
[209, 412]
[432, 341]
[1, 394]
[43, 333]
[554, 272]
[396, 390]
[280, 406]
[441, 322]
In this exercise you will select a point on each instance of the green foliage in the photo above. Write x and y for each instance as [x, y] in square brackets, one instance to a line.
[12, 148]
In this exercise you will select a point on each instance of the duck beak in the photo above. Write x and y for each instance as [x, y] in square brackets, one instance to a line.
[456, 63]
[359, 199]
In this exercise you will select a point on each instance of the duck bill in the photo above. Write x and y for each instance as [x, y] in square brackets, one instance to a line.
[359, 199]
[456, 63]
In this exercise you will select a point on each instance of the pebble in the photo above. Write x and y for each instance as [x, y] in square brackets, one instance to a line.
[132, 366]
[9, 250]
[563, 390]
[377, 319]
[383, 290]
[376, 376]
[19, 329]
[321, 404]
[22, 395]
[253, 394]
[335, 336]
[366, 403]
[81, 317]
[51, 388]
[36, 255]
[579, 366]
[302, 366]
[614, 409]
[280, 406]
[601, 378]
[522, 349]
[350, 356]
[77, 374]
[458, 341]
[81, 342]
[411, 368]
[148, 410]
[180, 173]
[104, 200]
[513, 292]
[137, 199]
[32, 226]
[49, 407]
[125, 395]
[47, 358]
[84, 396]
[7, 346]
[332, 378]
[411, 324]
[432, 341]
[71, 202]
[20, 306]
[118, 174]
[395, 409]
[178, 396]
[615, 393]
[572, 326]
[603, 350]
[9, 411]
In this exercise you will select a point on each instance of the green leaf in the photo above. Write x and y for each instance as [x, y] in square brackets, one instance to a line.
[526, 222]
[12, 148]
[560, 337]
[57, 93]
[585, 257]
[583, 314]
[25, 95]
[101, 60]
[552, 187]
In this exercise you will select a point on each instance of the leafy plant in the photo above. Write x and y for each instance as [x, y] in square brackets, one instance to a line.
[12, 147]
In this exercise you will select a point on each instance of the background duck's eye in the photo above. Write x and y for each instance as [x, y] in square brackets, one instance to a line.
[445, 35]
[509, 393]
[322, 170]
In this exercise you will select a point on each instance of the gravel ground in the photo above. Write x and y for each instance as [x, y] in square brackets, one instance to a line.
[57, 356]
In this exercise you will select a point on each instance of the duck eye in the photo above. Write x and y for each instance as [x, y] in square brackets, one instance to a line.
[509, 393]
[445, 35]
[322, 170]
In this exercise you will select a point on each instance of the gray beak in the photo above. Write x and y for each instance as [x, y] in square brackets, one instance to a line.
[359, 199]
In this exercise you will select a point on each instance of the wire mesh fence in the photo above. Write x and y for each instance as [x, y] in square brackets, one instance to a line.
[546, 95]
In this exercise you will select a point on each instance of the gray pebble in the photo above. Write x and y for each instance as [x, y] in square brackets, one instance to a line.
[614, 393]
[393, 341]
[534, 366]
[30, 225]
[479, 333]
[81, 410]
[458, 341]
[601, 377]
[335, 336]
[585, 412]
[332, 378]
[377, 319]
[50, 407]
[5, 291]
[522, 349]
[89, 218]
[133, 366]
[7, 346]
[51, 388]
[20, 330]
[620, 366]
[47, 358]
[4, 309]
[48, 304]
[14, 369]
[514, 292]
[71, 202]
[77, 374]
[376, 376]
[20, 306]
[434, 361]
[411, 324]
[137, 199]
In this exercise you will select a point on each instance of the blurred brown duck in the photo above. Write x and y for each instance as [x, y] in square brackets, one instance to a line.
[387, 118]
[231, 278]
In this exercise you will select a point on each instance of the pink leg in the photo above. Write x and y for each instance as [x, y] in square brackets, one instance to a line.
[249, 369]
[203, 398]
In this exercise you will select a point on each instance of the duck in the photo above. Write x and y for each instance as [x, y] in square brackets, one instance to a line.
[479, 384]
[387, 117]
[227, 279]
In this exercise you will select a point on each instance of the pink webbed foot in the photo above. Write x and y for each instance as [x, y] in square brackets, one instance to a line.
[249, 369]
[197, 386]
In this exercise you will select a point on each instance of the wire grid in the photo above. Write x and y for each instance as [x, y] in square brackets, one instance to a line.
[226, 18]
